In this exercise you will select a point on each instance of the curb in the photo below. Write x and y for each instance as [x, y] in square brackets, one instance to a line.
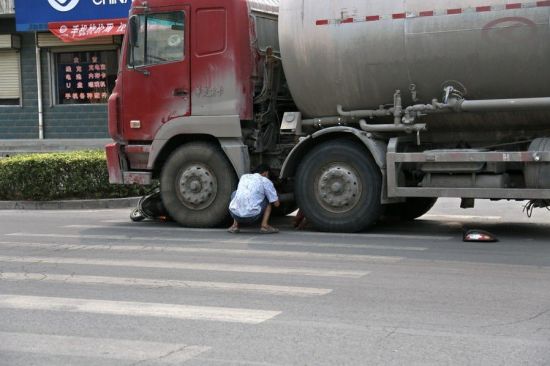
[70, 204]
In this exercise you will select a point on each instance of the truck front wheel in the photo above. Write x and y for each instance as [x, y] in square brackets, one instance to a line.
[338, 187]
[196, 185]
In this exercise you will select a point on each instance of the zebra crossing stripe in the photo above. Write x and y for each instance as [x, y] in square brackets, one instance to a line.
[339, 237]
[173, 284]
[235, 252]
[137, 309]
[188, 266]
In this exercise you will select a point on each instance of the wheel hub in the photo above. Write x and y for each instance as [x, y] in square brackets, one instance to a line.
[197, 187]
[339, 188]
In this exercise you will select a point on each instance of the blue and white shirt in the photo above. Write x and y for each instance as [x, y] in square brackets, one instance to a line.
[251, 192]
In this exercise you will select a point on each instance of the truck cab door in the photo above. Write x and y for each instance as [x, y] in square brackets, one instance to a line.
[156, 79]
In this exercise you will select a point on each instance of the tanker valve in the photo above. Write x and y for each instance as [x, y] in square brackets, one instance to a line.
[414, 93]
[448, 91]
[408, 118]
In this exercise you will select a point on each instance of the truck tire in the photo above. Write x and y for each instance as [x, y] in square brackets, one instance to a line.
[537, 175]
[196, 184]
[338, 187]
[411, 209]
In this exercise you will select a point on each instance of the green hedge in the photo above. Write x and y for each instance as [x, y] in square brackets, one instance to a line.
[59, 176]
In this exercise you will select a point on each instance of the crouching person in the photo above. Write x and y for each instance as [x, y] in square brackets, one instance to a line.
[251, 203]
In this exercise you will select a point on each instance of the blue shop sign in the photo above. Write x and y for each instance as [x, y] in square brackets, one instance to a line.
[34, 15]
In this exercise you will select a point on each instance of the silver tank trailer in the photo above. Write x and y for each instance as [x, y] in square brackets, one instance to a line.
[357, 53]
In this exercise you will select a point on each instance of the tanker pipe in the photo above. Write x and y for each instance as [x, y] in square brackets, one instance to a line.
[391, 128]
[338, 121]
[499, 105]
[396, 111]
[327, 122]
[367, 113]
[417, 110]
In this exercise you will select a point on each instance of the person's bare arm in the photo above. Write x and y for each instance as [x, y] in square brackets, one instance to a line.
[271, 193]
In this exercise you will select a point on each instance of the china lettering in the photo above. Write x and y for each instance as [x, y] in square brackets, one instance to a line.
[86, 96]
[81, 30]
[75, 78]
[206, 92]
[109, 2]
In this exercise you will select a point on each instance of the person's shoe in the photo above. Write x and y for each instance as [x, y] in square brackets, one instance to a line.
[233, 230]
[268, 230]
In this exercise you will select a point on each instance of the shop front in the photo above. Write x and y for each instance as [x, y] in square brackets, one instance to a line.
[60, 63]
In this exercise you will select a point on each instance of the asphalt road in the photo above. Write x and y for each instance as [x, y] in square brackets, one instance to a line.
[92, 288]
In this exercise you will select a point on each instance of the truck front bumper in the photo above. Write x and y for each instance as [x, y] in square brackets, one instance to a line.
[118, 173]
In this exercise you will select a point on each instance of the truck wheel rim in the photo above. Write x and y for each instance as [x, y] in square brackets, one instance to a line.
[338, 188]
[197, 187]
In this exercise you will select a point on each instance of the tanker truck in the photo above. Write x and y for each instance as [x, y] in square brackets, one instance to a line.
[364, 108]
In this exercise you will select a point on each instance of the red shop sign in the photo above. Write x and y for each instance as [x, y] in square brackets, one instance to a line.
[81, 30]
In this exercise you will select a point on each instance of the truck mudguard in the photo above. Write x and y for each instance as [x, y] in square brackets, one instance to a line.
[220, 127]
[377, 148]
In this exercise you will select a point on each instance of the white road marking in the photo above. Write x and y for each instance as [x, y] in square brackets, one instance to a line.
[187, 266]
[461, 217]
[153, 283]
[339, 245]
[129, 224]
[235, 252]
[297, 233]
[156, 239]
[367, 236]
[140, 309]
[99, 348]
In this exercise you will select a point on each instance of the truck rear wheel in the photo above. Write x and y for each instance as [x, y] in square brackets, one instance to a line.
[196, 185]
[338, 187]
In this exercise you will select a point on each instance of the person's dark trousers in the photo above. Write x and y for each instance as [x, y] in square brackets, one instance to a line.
[249, 220]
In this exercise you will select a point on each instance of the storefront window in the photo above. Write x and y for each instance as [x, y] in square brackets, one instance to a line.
[85, 77]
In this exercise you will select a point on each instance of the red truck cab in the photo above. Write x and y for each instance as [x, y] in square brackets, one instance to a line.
[185, 89]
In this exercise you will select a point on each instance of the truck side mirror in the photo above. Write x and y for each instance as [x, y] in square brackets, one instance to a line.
[133, 31]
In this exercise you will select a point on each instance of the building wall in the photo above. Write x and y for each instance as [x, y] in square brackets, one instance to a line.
[60, 121]
[21, 122]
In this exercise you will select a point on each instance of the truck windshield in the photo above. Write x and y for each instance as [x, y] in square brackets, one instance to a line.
[160, 39]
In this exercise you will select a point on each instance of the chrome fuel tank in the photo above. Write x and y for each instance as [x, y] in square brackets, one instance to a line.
[357, 53]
